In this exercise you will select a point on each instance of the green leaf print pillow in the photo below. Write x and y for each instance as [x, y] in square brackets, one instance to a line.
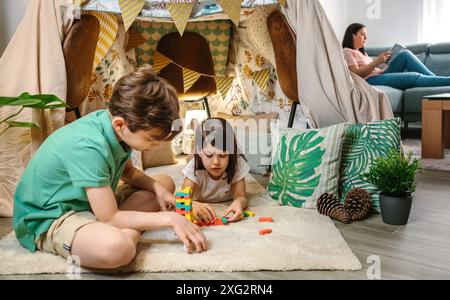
[306, 165]
[362, 145]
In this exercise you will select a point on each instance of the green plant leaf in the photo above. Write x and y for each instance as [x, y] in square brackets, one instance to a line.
[363, 144]
[17, 101]
[21, 124]
[294, 178]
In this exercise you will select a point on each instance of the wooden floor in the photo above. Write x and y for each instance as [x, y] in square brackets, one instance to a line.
[419, 250]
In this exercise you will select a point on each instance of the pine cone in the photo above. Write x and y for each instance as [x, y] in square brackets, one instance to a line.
[329, 205]
[358, 203]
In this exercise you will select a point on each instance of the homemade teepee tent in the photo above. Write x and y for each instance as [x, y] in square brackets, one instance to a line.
[130, 30]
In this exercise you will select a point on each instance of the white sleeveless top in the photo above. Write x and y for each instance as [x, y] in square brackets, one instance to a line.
[210, 190]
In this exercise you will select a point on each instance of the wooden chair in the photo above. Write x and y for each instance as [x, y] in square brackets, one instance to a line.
[79, 51]
[192, 52]
[284, 44]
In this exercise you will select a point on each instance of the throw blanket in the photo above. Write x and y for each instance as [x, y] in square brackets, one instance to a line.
[33, 62]
[329, 93]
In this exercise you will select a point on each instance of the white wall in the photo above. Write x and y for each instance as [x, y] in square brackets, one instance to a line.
[11, 13]
[336, 11]
[387, 21]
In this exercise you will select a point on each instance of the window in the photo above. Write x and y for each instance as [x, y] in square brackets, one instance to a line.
[435, 21]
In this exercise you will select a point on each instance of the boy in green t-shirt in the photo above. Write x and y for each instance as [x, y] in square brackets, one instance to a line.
[65, 202]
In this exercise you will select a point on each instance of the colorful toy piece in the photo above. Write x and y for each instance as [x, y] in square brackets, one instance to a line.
[248, 213]
[265, 219]
[217, 222]
[183, 205]
[265, 231]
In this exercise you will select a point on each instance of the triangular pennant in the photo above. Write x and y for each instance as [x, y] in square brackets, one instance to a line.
[282, 2]
[160, 61]
[130, 10]
[262, 79]
[109, 26]
[232, 8]
[224, 84]
[189, 78]
[135, 39]
[180, 13]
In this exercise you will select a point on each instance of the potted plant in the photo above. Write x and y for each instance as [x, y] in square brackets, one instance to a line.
[26, 100]
[395, 176]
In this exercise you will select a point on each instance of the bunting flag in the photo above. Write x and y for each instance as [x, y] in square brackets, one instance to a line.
[224, 84]
[180, 13]
[135, 39]
[232, 8]
[282, 2]
[130, 10]
[160, 61]
[189, 78]
[109, 26]
[262, 79]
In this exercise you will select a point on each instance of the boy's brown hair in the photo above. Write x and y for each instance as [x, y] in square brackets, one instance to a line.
[146, 101]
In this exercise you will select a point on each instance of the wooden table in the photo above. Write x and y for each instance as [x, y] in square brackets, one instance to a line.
[435, 125]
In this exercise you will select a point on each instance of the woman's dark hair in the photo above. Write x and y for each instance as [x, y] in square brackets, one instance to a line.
[218, 133]
[347, 41]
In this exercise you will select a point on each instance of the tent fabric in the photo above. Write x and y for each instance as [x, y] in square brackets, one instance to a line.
[33, 62]
[329, 93]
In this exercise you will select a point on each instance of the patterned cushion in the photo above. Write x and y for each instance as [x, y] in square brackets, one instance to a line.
[363, 144]
[216, 32]
[306, 165]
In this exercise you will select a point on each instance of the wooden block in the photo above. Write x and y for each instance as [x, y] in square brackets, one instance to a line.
[265, 219]
[265, 231]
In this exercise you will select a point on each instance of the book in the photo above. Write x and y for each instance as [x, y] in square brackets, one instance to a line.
[395, 50]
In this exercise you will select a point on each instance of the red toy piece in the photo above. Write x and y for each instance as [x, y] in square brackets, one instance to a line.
[265, 231]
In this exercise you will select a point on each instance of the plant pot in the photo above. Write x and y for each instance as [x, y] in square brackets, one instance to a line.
[395, 210]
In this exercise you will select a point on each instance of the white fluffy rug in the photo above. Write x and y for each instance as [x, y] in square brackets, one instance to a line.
[301, 240]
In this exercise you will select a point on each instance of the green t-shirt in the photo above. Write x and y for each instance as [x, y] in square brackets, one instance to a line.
[85, 153]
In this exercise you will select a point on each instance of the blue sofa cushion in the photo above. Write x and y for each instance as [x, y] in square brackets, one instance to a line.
[438, 60]
[394, 95]
[412, 98]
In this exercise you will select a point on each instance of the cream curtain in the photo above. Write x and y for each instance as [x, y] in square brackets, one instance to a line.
[329, 93]
[33, 62]
[435, 25]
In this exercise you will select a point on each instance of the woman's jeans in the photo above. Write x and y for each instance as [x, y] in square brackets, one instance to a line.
[406, 71]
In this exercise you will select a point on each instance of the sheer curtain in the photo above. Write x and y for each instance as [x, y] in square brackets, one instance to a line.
[435, 21]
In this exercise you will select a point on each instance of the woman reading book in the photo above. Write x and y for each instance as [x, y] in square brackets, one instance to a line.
[403, 71]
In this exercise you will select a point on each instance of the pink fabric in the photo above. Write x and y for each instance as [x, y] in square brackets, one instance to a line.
[355, 57]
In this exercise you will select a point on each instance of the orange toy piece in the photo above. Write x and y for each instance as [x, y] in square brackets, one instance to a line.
[265, 219]
[265, 231]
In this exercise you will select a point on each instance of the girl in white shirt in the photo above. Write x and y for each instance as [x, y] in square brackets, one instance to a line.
[217, 171]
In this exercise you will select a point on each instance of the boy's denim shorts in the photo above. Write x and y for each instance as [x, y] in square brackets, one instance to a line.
[59, 237]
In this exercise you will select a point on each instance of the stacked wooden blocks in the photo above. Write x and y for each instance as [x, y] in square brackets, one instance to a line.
[184, 203]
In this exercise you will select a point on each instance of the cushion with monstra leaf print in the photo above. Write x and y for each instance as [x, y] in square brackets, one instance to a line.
[362, 145]
[306, 165]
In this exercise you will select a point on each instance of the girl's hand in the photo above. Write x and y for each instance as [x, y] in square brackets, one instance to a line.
[189, 233]
[165, 199]
[383, 57]
[237, 210]
[203, 212]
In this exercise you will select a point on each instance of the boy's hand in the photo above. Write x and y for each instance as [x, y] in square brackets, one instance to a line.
[203, 212]
[165, 199]
[189, 233]
[237, 210]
